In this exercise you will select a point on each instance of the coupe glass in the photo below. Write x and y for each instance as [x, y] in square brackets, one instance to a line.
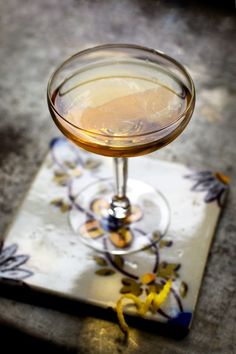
[122, 101]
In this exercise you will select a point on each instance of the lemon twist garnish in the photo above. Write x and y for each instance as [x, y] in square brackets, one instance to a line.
[153, 302]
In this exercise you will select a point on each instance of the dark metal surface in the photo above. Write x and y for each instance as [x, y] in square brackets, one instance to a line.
[35, 36]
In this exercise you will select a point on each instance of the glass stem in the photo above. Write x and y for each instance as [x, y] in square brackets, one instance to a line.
[120, 204]
[121, 175]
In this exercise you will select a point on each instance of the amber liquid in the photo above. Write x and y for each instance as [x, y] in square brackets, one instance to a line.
[121, 109]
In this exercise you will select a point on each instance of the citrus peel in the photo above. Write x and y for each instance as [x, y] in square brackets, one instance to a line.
[153, 302]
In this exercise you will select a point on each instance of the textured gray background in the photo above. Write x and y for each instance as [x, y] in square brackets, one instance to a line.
[35, 36]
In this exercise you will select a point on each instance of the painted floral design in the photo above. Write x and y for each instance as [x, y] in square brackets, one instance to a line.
[71, 165]
[11, 264]
[98, 226]
[215, 185]
[143, 284]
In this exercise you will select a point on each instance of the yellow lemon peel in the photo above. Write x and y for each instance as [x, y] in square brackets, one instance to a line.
[161, 297]
[153, 302]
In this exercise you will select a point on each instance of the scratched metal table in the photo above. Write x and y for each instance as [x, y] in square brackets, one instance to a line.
[36, 36]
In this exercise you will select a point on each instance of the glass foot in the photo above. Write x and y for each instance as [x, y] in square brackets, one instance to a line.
[146, 224]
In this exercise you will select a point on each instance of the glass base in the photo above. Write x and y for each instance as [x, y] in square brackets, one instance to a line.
[147, 223]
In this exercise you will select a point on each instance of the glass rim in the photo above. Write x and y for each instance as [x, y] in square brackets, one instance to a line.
[124, 46]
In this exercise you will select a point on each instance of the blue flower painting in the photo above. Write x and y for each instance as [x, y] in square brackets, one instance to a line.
[11, 263]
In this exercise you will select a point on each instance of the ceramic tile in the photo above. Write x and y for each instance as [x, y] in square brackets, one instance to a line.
[42, 249]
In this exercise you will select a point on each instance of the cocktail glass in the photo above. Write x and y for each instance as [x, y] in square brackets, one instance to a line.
[122, 101]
